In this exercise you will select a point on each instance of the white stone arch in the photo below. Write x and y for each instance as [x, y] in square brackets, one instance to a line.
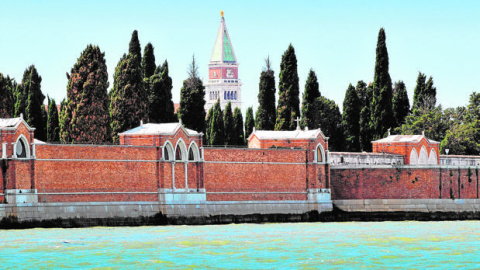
[21, 147]
[193, 152]
[320, 154]
[413, 157]
[423, 156]
[182, 155]
[168, 153]
[432, 158]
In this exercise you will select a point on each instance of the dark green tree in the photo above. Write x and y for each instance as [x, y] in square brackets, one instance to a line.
[463, 134]
[418, 93]
[208, 126]
[288, 92]
[229, 125]
[266, 99]
[161, 108]
[430, 94]
[134, 46]
[381, 110]
[192, 100]
[401, 105]
[249, 122]
[238, 127]
[310, 94]
[148, 61]
[217, 128]
[365, 95]
[85, 117]
[30, 102]
[329, 120]
[351, 120]
[434, 123]
[7, 105]
[128, 97]
[53, 126]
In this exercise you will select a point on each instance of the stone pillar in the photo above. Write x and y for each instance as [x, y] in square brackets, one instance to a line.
[33, 150]
[4, 150]
[14, 150]
[173, 176]
[186, 176]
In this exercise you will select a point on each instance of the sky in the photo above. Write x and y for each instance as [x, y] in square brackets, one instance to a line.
[337, 39]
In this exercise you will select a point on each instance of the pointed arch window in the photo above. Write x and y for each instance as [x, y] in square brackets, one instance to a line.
[178, 153]
[191, 156]
[21, 150]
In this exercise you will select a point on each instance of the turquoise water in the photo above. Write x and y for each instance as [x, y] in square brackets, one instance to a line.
[351, 245]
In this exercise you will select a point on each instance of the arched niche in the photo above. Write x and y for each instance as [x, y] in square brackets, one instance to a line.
[22, 149]
[413, 157]
[168, 153]
[432, 158]
[180, 151]
[320, 154]
[423, 156]
[193, 152]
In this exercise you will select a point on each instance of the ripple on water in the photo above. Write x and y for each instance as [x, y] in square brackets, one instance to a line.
[378, 245]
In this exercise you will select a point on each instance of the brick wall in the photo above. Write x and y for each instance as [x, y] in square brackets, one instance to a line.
[84, 168]
[404, 183]
[259, 170]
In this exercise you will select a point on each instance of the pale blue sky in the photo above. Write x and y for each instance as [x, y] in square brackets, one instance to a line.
[335, 38]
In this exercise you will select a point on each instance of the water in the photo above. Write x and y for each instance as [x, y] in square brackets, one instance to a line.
[377, 245]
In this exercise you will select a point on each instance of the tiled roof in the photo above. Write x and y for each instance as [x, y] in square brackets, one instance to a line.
[157, 129]
[285, 135]
[404, 138]
[10, 122]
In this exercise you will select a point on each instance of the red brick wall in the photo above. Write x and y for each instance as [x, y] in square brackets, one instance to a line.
[83, 168]
[404, 183]
[257, 170]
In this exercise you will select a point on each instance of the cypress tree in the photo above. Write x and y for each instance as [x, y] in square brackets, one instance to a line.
[229, 125]
[217, 131]
[288, 92]
[208, 123]
[53, 126]
[328, 118]
[192, 100]
[381, 109]
[134, 46]
[266, 99]
[239, 138]
[148, 61]
[85, 116]
[401, 105]
[128, 97]
[351, 120]
[430, 94]
[7, 107]
[161, 108]
[30, 102]
[310, 94]
[418, 93]
[365, 115]
[249, 122]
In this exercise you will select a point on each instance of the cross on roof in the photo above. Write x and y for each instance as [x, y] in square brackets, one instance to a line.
[298, 123]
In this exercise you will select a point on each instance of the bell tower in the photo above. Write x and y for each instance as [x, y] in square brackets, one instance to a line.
[223, 82]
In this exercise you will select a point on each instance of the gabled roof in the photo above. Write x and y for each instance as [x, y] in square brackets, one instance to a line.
[405, 139]
[159, 129]
[222, 49]
[287, 135]
[12, 123]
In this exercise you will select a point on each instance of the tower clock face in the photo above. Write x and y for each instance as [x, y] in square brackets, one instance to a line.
[230, 73]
